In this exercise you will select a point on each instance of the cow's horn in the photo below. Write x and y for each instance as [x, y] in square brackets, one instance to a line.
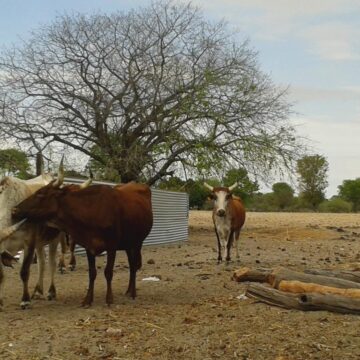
[60, 178]
[211, 188]
[232, 187]
[85, 184]
[4, 234]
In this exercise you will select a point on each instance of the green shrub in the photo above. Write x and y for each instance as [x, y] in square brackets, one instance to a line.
[336, 205]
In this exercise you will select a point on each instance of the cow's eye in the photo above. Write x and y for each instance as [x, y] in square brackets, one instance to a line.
[228, 196]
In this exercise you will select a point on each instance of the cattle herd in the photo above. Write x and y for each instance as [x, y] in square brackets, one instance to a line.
[101, 218]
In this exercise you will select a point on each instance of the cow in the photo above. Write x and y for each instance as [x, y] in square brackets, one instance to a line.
[13, 191]
[99, 218]
[228, 218]
[28, 237]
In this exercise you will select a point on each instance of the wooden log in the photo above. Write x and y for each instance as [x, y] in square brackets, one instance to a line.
[268, 295]
[341, 274]
[282, 274]
[305, 302]
[298, 287]
[247, 274]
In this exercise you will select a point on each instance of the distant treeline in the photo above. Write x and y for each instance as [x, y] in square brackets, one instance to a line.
[311, 177]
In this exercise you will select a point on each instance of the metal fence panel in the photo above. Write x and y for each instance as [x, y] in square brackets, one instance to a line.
[170, 211]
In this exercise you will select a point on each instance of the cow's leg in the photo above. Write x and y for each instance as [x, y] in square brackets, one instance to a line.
[39, 288]
[219, 246]
[134, 258]
[72, 263]
[24, 274]
[2, 278]
[230, 240]
[61, 264]
[237, 235]
[111, 254]
[92, 276]
[52, 265]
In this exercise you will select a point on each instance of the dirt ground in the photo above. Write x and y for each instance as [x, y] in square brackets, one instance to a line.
[195, 311]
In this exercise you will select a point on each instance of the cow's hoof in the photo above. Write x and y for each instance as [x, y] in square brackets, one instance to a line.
[72, 267]
[86, 303]
[62, 270]
[51, 296]
[25, 305]
[38, 293]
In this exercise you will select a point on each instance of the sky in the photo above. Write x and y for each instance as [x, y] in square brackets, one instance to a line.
[310, 46]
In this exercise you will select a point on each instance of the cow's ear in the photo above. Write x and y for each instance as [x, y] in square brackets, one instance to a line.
[7, 259]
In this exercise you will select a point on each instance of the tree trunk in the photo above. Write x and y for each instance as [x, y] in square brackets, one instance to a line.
[305, 302]
[282, 274]
[274, 277]
[247, 274]
[39, 164]
[341, 274]
[298, 287]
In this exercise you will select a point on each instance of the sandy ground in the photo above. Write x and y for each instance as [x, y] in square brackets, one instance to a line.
[193, 312]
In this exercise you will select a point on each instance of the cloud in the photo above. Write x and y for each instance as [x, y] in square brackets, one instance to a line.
[283, 20]
[313, 94]
[334, 40]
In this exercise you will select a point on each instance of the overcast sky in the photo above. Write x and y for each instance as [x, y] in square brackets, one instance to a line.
[312, 46]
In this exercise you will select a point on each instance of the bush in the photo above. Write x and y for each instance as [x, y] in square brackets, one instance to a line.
[335, 206]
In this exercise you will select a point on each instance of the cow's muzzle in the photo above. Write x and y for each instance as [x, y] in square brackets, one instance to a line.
[220, 212]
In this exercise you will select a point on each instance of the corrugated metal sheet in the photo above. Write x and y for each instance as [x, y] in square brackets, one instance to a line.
[170, 210]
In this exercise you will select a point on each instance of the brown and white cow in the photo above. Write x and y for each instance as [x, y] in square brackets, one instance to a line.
[99, 218]
[12, 192]
[228, 217]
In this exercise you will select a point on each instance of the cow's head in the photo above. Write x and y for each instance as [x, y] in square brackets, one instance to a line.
[221, 197]
[43, 204]
[40, 206]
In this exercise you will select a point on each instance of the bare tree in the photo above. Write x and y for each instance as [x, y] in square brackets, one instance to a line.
[146, 93]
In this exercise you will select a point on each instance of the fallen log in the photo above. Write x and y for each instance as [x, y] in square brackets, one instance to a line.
[247, 274]
[282, 274]
[298, 287]
[341, 274]
[305, 302]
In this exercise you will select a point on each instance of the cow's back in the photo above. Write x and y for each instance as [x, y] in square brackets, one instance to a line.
[123, 214]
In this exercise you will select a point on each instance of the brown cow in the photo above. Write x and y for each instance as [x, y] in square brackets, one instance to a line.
[228, 217]
[99, 218]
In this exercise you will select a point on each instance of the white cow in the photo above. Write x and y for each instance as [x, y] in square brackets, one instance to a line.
[28, 237]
